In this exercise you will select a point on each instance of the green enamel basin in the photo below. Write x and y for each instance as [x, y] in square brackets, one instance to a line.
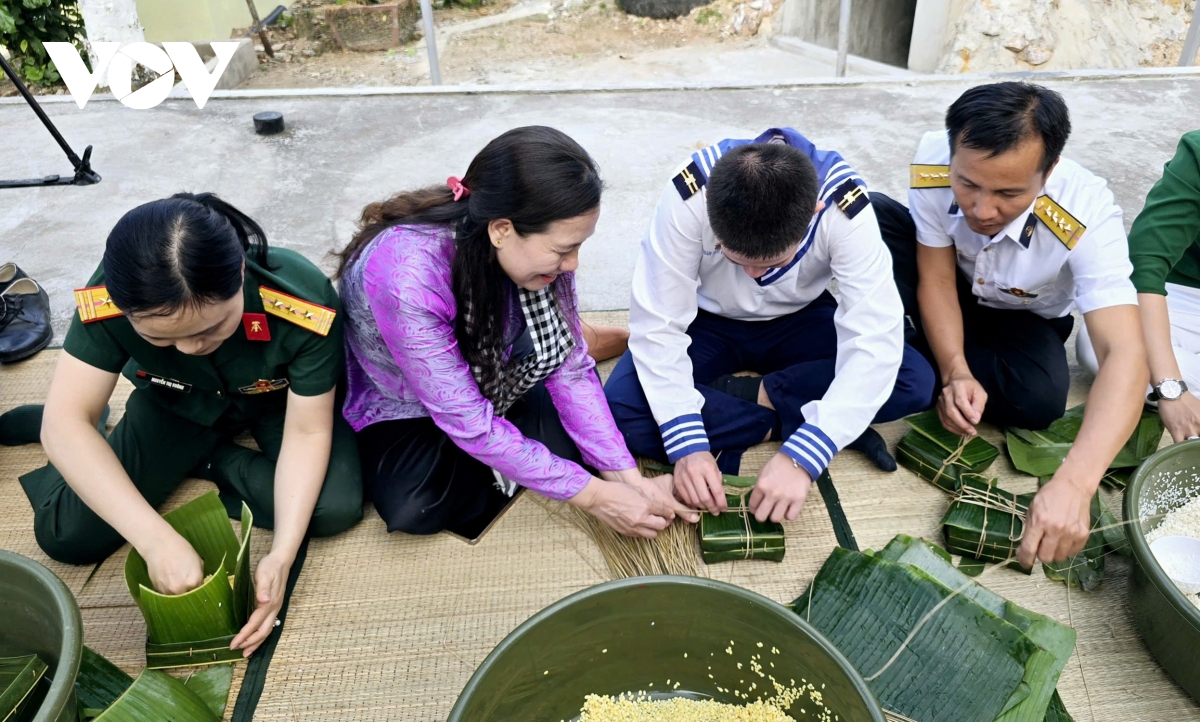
[627, 635]
[1169, 623]
[41, 617]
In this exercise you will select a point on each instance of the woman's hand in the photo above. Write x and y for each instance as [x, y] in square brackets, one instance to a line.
[659, 490]
[174, 566]
[270, 581]
[1181, 416]
[624, 507]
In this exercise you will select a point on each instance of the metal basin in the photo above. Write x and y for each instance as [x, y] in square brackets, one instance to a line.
[1169, 623]
[41, 617]
[627, 635]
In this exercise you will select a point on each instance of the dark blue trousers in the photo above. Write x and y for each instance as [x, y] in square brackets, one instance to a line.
[795, 354]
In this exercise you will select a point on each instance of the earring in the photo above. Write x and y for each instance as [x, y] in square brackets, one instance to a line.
[498, 242]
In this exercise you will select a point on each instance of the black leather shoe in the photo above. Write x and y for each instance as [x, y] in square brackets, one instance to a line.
[10, 272]
[24, 320]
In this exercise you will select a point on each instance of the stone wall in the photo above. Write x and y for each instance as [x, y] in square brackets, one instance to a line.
[1019, 35]
[879, 29]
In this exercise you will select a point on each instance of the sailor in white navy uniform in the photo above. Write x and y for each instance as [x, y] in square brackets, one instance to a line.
[1004, 240]
[733, 276]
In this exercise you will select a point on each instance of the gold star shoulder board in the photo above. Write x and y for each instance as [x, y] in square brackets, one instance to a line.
[95, 305]
[317, 319]
[851, 198]
[1061, 224]
[928, 176]
[689, 181]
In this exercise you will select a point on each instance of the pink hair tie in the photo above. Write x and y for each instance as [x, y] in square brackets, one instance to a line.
[460, 190]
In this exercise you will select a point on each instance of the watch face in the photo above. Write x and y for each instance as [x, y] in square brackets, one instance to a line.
[1170, 389]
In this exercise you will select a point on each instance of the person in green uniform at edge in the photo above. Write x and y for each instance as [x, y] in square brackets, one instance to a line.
[219, 335]
[1164, 246]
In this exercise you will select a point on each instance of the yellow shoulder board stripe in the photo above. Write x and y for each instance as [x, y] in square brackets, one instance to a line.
[1061, 224]
[317, 319]
[95, 305]
[929, 176]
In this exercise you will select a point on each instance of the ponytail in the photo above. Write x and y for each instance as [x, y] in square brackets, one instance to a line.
[188, 249]
[531, 176]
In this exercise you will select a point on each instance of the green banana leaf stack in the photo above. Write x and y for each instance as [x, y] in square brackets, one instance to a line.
[106, 694]
[1040, 453]
[19, 677]
[932, 644]
[736, 534]
[196, 628]
[926, 449]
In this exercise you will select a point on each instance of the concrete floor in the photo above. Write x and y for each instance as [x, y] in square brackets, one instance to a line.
[307, 186]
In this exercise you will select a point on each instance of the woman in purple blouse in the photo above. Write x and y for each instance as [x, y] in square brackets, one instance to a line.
[466, 364]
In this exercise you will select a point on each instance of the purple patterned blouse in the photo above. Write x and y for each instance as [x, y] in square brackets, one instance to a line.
[403, 362]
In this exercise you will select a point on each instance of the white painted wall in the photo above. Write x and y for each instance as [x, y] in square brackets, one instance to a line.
[933, 29]
[110, 21]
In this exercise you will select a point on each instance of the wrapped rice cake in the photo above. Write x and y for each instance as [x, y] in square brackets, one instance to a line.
[736, 534]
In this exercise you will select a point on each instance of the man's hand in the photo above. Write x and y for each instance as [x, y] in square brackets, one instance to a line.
[960, 405]
[270, 581]
[699, 483]
[1181, 416]
[781, 490]
[174, 566]
[1058, 523]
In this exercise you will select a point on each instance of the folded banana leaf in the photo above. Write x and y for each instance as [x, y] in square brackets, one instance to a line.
[738, 535]
[1040, 453]
[19, 677]
[1057, 711]
[985, 522]
[98, 684]
[925, 449]
[1117, 478]
[964, 664]
[1086, 569]
[1055, 641]
[157, 696]
[196, 628]
[212, 684]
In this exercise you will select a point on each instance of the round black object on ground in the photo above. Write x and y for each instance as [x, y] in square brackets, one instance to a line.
[268, 122]
[660, 9]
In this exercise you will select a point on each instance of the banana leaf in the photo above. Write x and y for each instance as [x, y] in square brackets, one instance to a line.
[98, 684]
[1057, 711]
[1055, 641]
[195, 628]
[157, 696]
[1049, 447]
[1117, 478]
[19, 677]
[985, 534]
[924, 451]
[212, 684]
[965, 664]
[738, 535]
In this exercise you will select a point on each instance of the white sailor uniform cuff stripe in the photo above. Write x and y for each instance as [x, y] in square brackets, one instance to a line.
[811, 448]
[684, 435]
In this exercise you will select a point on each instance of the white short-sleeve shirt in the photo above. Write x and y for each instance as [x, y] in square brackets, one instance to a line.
[1067, 251]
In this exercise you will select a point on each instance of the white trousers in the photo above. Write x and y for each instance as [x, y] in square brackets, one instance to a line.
[1183, 311]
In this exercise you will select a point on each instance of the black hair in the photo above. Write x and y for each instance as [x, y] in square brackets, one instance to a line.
[186, 250]
[1000, 116]
[761, 198]
[532, 176]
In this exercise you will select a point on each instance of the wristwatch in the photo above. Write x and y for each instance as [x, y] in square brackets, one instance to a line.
[1167, 390]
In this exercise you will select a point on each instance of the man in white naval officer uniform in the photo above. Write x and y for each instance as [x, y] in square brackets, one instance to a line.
[733, 276]
[1004, 240]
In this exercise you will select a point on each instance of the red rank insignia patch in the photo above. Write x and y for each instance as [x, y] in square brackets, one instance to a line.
[256, 326]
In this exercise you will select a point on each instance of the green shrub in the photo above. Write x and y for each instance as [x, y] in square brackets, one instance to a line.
[26, 24]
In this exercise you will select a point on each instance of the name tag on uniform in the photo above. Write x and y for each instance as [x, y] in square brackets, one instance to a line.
[165, 382]
[263, 386]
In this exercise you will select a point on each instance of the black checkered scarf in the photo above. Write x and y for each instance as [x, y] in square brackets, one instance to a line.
[552, 343]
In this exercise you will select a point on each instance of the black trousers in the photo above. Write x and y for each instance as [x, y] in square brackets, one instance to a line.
[1018, 357]
[421, 482]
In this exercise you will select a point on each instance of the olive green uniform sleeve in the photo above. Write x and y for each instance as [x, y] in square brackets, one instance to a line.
[1163, 243]
[93, 343]
[321, 360]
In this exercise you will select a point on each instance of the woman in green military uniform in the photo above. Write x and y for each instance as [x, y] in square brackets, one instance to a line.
[219, 335]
